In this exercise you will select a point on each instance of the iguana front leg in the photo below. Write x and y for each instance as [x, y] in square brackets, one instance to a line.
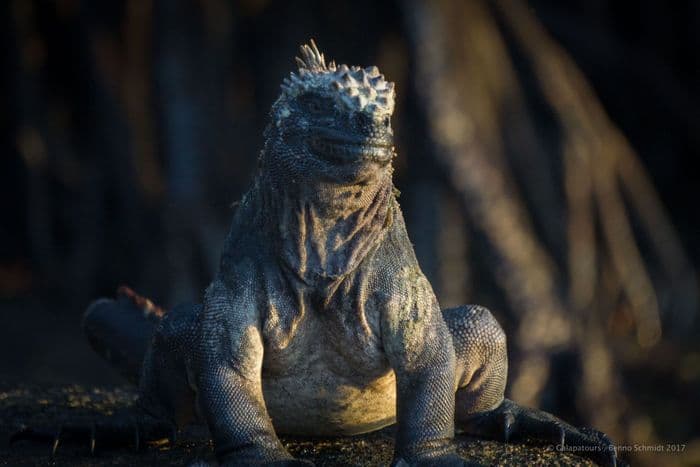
[481, 409]
[419, 348]
[227, 366]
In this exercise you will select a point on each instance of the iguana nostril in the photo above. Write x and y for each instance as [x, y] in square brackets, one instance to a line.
[387, 122]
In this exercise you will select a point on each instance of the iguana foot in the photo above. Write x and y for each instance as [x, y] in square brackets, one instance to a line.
[509, 421]
[117, 432]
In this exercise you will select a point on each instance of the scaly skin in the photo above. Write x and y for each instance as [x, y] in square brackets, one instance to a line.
[319, 320]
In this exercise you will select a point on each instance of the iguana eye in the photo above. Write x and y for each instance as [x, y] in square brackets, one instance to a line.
[315, 107]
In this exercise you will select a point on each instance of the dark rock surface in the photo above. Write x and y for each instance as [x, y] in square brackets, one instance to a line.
[39, 407]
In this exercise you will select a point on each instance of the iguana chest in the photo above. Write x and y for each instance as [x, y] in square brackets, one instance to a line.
[324, 369]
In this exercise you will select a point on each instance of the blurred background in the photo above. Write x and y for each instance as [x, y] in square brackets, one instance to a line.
[546, 168]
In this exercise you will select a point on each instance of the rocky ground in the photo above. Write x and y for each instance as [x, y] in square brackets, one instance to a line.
[39, 407]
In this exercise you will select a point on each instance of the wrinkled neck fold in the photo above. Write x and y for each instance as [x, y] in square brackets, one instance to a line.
[323, 231]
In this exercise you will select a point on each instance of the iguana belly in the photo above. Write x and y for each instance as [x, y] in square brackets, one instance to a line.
[324, 404]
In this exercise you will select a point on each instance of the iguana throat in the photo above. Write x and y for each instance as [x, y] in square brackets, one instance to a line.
[324, 231]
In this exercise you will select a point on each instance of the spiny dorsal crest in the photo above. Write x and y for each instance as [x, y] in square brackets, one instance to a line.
[361, 89]
[312, 60]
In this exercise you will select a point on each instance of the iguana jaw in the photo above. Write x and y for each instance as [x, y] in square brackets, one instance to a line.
[344, 150]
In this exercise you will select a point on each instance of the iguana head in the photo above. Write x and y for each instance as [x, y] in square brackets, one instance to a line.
[331, 122]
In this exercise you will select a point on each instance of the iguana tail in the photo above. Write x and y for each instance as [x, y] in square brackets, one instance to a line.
[120, 330]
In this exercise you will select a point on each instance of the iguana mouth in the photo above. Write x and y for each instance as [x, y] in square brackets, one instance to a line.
[345, 150]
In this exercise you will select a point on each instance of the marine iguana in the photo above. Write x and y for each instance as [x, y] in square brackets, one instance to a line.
[319, 320]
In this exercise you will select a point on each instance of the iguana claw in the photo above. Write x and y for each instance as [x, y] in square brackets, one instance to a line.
[508, 422]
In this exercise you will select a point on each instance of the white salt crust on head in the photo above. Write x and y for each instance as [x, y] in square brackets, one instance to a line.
[358, 89]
